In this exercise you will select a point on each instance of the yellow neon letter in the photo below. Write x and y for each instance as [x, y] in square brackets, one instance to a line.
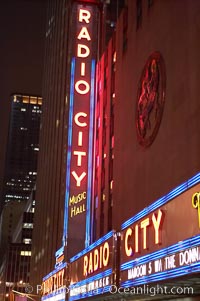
[196, 203]
[128, 249]
[106, 252]
[156, 224]
[85, 265]
[136, 239]
[144, 225]
[96, 259]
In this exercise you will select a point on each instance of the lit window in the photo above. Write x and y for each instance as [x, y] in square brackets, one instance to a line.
[33, 100]
[25, 253]
[27, 241]
[25, 99]
[28, 225]
[23, 109]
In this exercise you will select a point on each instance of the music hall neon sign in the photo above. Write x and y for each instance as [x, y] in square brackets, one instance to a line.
[80, 130]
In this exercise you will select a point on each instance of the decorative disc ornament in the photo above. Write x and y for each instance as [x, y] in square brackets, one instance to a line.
[150, 99]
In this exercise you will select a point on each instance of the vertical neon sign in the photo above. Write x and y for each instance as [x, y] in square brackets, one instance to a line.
[78, 196]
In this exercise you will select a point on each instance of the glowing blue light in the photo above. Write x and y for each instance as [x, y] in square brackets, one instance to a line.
[87, 281]
[176, 272]
[59, 252]
[162, 201]
[94, 245]
[71, 105]
[56, 270]
[90, 158]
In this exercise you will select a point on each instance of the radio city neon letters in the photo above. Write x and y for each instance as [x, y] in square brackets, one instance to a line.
[131, 239]
[82, 87]
[53, 283]
[98, 258]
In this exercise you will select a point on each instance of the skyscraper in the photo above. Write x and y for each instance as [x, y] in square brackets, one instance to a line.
[22, 148]
[21, 160]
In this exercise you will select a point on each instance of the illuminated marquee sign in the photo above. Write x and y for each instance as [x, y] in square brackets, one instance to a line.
[163, 240]
[92, 270]
[53, 285]
[77, 219]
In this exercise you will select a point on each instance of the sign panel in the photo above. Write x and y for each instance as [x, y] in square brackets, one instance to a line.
[163, 240]
[93, 270]
[53, 285]
[77, 219]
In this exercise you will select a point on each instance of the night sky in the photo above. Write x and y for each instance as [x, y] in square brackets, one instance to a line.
[22, 37]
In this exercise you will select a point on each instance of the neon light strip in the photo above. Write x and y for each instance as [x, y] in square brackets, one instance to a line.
[162, 201]
[188, 243]
[55, 271]
[93, 278]
[94, 158]
[69, 152]
[87, 281]
[59, 252]
[94, 245]
[90, 161]
[180, 246]
[194, 267]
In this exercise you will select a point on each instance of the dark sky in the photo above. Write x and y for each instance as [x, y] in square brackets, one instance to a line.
[22, 37]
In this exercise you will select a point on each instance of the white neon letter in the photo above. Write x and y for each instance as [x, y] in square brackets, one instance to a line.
[156, 224]
[80, 138]
[84, 34]
[77, 178]
[84, 15]
[79, 158]
[85, 90]
[76, 119]
[82, 69]
[82, 50]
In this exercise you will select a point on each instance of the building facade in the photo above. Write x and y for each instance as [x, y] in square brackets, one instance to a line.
[23, 137]
[143, 201]
[21, 161]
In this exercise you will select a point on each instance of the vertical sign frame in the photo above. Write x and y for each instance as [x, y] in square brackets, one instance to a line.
[79, 169]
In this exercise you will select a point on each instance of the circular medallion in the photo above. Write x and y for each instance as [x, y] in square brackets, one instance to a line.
[150, 99]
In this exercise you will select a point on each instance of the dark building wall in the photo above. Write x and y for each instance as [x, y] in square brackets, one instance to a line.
[143, 175]
[48, 219]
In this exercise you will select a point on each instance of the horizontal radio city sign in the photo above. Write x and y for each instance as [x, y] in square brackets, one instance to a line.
[92, 269]
[54, 283]
[162, 241]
